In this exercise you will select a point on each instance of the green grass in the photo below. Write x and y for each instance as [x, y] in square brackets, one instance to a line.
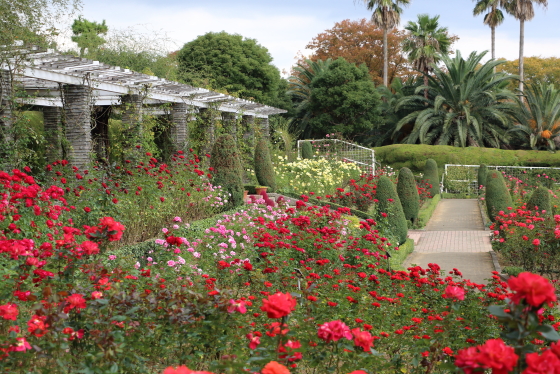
[427, 210]
[397, 257]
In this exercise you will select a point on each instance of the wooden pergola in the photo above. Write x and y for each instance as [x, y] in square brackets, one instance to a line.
[78, 87]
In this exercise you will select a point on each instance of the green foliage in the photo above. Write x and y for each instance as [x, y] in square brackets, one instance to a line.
[431, 175]
[229, 62]
[227, 168]
[408, 194]
[343, 100]
[541, 199]
[264, 170]
[538, 116]
[390, 204]
[497, 194]
[482, 173]
[306, 150]
[32, 21]
[414, 156]
[468, 104]
[87, 34]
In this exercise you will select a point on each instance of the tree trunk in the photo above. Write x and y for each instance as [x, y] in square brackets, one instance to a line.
[385, 59]
[493, 43]
[521, 43]
[426, 83]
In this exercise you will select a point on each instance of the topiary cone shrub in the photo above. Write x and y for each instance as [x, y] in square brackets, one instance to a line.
[497, 194]
[431, 175]
[482, 173]
[264, 170]
[224, 158]
[389, 203]
[306, 150]
[540, 199]
[408, 194]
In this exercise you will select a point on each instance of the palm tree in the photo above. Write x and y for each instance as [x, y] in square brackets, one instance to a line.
[386, 15]
[522, 10]
[300, 88]
[425, 43]
[539, 116]
[493, 18]
[469, 105]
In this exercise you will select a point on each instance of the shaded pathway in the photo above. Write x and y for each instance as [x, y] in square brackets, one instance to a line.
[454, 238]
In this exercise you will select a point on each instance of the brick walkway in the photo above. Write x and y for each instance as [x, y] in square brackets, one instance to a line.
[454, 238]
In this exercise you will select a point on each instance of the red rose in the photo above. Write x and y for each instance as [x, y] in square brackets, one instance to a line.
[454, 292]
[334, 330]
[279, 305]
[547, 363]
[494, 354]
[532, 288]
[362, 339]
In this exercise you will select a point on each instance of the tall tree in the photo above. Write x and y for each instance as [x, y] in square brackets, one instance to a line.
[361, 42]
[493, 18]
[535, 69]
[230, 62]
[522, 10]
[425, 43]
[386, 15]
[87, 34]
[343, 99]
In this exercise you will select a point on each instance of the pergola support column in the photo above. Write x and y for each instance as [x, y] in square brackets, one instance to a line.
[230, 123]
[264, 127]
[132, 113]
[179, 129]
[6, 118]
[77, 113]
[248, 130]
[52, 120]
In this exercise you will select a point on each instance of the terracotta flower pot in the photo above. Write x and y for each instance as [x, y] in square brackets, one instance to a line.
[259, 190]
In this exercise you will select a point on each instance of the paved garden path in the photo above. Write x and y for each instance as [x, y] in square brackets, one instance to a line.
[454, 238]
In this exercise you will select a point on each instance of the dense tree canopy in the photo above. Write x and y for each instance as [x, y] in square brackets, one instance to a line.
[232, 63]
[361, 42]
[344, 100]
[537, 69]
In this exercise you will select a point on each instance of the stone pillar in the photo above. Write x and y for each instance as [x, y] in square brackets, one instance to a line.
[6, 119]
[52, 123]
[229, 121]
[264, 127]
[208, 116]
[248, 131]
[132, 113]
[77, 120]
[179, 128]
[100, 132]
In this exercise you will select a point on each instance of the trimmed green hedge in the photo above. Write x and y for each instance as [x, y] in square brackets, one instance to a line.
[427, 210]
[414, 156]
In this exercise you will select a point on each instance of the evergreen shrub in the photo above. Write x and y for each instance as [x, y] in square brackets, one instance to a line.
[408, 194]
[306, 150]
[225, 160]
[431, 175]
[540, 198]
[482, 172]
[498, 197]
[264, 171]
[390, 204]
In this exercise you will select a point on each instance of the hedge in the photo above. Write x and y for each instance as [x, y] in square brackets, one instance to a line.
[414, 156]
[397, 257]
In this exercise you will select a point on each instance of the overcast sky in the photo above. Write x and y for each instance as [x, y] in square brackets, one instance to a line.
[285, 27]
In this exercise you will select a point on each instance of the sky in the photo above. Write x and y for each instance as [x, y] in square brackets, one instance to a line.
[285, 27]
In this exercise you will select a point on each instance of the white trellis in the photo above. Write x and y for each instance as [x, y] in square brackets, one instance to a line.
[464, 178]
[344, 151]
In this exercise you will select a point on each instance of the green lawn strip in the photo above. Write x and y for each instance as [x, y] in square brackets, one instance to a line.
[427, 210]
